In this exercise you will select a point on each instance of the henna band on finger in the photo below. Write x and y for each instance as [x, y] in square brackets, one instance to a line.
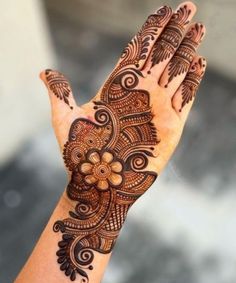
[171, 37]
[184, 55]
[192, 81]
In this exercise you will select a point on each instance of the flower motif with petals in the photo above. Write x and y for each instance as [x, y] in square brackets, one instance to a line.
[102, 169]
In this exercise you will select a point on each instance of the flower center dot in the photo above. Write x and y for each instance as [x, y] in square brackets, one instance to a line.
[102, 170]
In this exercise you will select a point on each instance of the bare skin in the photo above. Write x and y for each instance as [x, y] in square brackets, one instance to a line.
[116, 145]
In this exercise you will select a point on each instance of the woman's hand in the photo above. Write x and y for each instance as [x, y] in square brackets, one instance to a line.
[115, 146]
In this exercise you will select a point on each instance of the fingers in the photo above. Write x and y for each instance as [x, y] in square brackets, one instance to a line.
[184, 97]
[170, 39]
[178, 66]
[60, 93]
[140, 46]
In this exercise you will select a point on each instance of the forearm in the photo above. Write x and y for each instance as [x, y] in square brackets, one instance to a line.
[42, 265]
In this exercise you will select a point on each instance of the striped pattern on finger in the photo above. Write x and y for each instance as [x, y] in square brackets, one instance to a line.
[187, 90]
[170, 39]
[180, 62]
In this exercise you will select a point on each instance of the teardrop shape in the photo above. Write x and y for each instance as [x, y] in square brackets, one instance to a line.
[61, 252]
[62, 244]
[64, 266]
[73, 276]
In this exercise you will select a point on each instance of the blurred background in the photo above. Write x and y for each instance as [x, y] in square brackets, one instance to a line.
[184, 229]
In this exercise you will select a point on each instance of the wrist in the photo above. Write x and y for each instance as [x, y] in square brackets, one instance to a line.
[42, 265]
[90, 226]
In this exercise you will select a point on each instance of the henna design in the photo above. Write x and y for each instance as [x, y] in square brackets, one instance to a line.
[58, 85]
[184, 55]
[192, 81]
[171, 37]
[137, 49]
[107, 159]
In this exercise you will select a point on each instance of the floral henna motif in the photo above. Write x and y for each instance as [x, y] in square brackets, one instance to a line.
[192, 81]
[171, 37]
[102, 169]
[185, 53]
[107, 160]
[58, 85]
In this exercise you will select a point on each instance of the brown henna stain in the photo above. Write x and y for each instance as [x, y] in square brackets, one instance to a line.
[192, 81]
[107, 156]
[171, 37]
[58, 85]
[184, 55]
[138, 49]
[107, 159]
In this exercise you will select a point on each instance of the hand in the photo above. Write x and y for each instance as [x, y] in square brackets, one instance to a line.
[115, 146]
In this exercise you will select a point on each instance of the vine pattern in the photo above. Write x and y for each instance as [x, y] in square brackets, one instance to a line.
[108, 159]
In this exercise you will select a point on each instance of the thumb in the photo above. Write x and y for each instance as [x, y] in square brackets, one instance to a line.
[60, 94]
[63, 105]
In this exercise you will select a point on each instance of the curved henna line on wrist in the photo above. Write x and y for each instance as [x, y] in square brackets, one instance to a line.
[184, 55]
[138, 48]
[192, 81]
[107, 159]
[171, 37]
[58, 85]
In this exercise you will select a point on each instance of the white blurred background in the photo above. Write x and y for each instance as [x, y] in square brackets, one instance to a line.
[183, 230]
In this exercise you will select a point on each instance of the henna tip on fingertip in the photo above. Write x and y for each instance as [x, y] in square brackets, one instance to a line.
[202, 26]
[43, 73]
[187, 4]
[47, 71]
[190, 5]
[204, 61]
[166, 7]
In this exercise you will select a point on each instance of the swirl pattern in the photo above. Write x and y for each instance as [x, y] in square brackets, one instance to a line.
[108, 159]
